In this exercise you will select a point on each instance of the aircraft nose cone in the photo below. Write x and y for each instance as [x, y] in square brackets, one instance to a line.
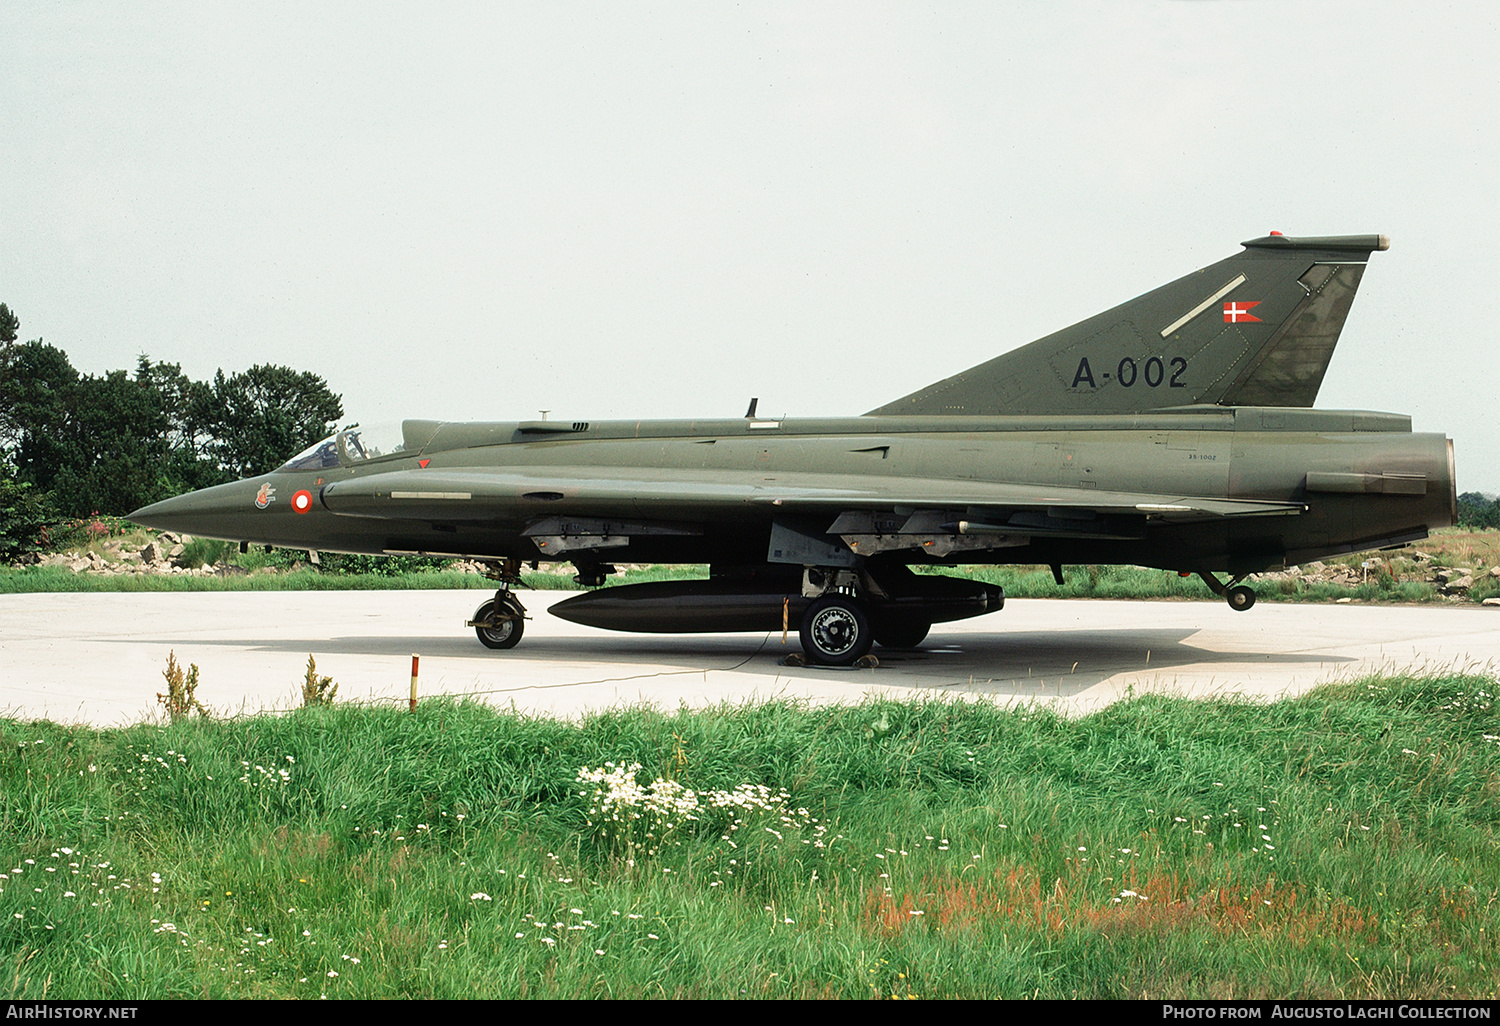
[159, 515]
[219, 512]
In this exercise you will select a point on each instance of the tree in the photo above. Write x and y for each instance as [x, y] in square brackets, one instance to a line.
[190, 463]
[1478, 511]
[36, 392]
[10, 326]
[260, 418]
[23, 515]
[114, 447]
[97, 444]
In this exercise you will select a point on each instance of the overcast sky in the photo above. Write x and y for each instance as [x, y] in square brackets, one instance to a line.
[659, 210]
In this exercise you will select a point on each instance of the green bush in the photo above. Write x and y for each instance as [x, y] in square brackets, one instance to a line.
[344, 563]
[58, 534]
[24, 514]
[204, 552]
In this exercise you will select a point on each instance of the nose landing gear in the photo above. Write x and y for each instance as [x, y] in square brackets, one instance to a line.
[500, 622]
[1239, 596]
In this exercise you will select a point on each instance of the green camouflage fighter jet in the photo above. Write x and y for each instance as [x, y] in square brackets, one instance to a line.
[1173, 431]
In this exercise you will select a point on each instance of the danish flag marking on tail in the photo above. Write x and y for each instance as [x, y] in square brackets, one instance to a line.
[1239, 313]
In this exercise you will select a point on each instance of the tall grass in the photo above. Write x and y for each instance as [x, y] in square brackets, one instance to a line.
[1339, 845]
[1134, 582]
[25, 580]
[31, 579]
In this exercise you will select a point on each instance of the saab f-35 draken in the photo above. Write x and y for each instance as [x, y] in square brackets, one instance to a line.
[1174, 431]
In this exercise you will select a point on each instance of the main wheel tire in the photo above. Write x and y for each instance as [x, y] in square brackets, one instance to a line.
[505, 634]
[1240, 598]
[835, 631]
[901, 633]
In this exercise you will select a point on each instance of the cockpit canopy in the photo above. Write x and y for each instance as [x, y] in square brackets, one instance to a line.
[318, 456]
[356, 444]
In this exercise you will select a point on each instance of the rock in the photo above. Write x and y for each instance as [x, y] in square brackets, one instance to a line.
[1495, 571]
[1491, 602]
[149, 553]
[78, 562]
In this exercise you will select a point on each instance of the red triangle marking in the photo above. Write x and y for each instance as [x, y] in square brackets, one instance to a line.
[423, 463]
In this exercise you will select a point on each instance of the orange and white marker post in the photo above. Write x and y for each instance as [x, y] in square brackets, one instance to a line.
[414, 658]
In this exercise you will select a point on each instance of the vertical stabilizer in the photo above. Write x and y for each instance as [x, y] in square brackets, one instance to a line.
[1255, 329]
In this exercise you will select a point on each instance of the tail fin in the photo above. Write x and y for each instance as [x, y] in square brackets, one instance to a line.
[1255, 329]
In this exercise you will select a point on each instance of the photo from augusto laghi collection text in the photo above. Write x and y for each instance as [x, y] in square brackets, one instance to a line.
[1326, 1010]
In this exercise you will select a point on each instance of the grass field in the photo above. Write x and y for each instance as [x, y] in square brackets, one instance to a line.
[1339, 845]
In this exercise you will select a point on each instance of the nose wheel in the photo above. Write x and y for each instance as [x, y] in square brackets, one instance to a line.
[499, 624]
[1239, 596]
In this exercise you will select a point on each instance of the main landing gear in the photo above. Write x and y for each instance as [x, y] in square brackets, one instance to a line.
[842, 623]
[500, 622]
[836, 630]
[1239, 596]
[851, 609]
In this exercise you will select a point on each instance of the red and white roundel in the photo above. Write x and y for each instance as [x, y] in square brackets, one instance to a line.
[302, 501]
